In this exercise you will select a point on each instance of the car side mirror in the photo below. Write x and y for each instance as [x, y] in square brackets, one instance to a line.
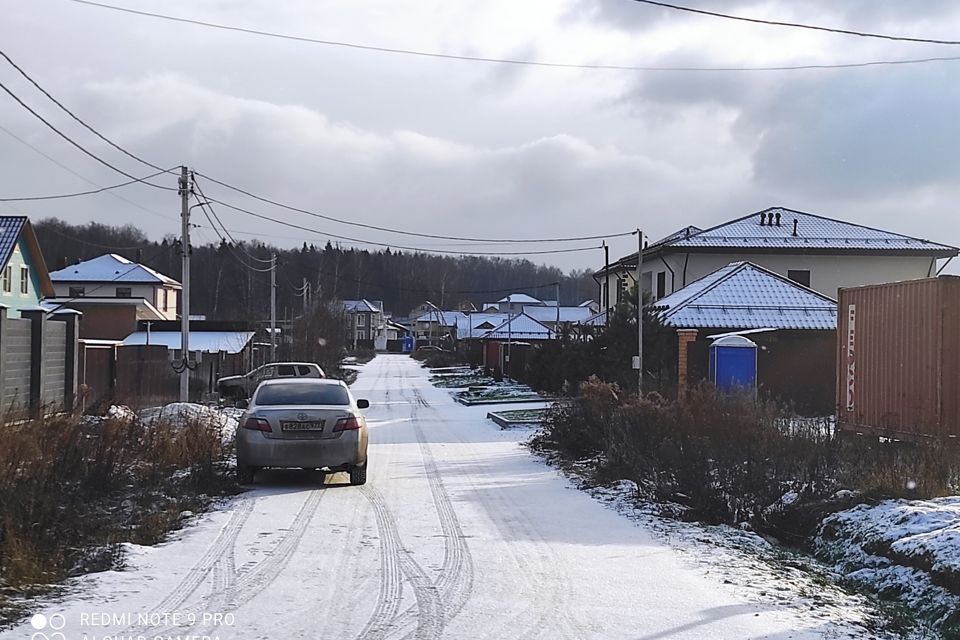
[363, 404]
[241, 404]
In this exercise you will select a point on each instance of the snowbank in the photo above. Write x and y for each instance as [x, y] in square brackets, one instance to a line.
[180, 414]
[907, 549]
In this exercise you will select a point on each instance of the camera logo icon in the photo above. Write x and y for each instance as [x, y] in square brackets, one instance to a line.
[48, 628]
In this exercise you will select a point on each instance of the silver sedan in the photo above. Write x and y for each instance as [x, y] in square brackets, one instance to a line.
[308, 423]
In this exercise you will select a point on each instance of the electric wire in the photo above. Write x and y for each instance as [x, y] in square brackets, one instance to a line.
[410, 233]
[538, 63]
[396, 246]
[229, 245]
[83, 193]
[75, 143]
[795, 25]
[213, 212]
[81, 176]
[78, 119]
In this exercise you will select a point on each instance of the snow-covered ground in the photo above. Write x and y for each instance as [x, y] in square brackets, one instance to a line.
[459, 533]
[905, 549]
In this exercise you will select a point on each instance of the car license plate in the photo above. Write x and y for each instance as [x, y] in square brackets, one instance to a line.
[301, 426]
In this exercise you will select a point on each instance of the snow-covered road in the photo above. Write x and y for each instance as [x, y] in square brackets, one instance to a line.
[459, 533]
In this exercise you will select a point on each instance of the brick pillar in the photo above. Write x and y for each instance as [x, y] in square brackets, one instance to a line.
[38, 321]
[684, 338]
[71, 356]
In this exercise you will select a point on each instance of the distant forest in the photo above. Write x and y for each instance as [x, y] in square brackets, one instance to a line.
[225, 288]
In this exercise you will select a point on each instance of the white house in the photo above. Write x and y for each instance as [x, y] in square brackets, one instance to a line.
[110, 277]
[818, 252]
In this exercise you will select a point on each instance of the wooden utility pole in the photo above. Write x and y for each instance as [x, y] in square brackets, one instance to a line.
[184, 184]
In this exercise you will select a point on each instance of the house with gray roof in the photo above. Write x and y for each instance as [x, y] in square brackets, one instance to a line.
[111, 280]
[364, 323]
[794, 326]
[822, 253]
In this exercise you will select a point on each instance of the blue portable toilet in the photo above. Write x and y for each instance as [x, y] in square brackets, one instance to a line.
[408, 344]
[733, 363]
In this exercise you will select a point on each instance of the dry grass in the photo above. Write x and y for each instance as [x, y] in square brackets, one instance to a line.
[729, 458]
[72, 490]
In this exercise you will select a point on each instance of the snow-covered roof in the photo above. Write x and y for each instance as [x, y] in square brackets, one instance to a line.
[597, 320]
[743, 295]
[10, 227]
[567, 314]
[587, 303]
[475, 325]
[206, 341]
[362, 305]
[520, 298]
[686, 232]
[111, 268]
[813, 232]
[446, 318]
[520, 327]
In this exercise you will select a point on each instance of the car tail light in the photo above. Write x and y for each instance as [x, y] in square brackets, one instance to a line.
[347, 424]
[257, 424]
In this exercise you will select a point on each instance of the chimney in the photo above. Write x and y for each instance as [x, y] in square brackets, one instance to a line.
[140, 255]
[763, 218]
[778, 218]
[794, 226]
[62, 262]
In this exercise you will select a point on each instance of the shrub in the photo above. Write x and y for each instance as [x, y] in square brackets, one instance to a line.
[72, 489]
[732, 458]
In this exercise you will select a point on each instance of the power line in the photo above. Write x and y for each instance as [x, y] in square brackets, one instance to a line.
[229, 245]
[73, 142]
[81, 176]
[395, 246]
[514, 61]
[207, 205]
[795, 25]
[78, 119]
[84, 193]
[410, 233]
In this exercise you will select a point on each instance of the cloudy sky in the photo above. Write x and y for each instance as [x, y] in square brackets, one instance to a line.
[475, 149]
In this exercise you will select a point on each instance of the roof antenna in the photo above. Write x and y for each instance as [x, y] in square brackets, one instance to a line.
[763, 218]
[794, 226]
[778, 218]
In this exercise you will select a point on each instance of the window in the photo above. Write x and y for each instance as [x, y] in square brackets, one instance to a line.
[7, 278]
[166, 300]
[361, 320]
[24, 279]
[361, 335]
[661, 284]
[302, 394]
[303, 370]
[77, 292]
[286, 370]
[124, 292]
[800, 276]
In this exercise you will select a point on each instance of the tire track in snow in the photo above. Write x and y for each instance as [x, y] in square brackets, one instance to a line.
[246, 586]
[429, 617]
[546, 564]
[455, 582]
[222, 545]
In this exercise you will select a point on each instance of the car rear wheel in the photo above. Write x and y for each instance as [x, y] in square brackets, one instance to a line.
[358, 475]
[245, 474]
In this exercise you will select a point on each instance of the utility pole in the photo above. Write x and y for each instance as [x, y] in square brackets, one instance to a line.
[509, 337]
[639, 314]
[606, 277]
[273, 307]
[184, 184]
[556, 328]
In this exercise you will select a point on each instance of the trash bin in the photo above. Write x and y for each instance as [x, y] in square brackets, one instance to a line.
[733, 364]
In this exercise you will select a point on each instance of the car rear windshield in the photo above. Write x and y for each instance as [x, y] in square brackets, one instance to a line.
[276, 394]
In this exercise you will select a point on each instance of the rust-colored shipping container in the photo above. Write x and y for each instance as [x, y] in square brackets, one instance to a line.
[898, 359]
